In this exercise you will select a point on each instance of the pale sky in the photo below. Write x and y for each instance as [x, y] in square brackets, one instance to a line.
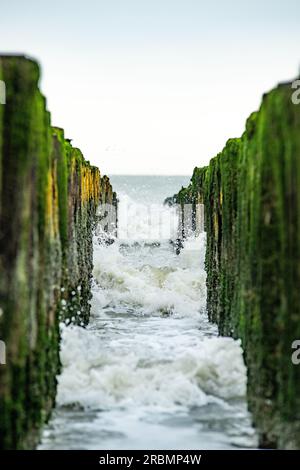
[154, 86]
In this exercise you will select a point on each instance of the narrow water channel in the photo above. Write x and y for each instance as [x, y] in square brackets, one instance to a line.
[149, 372]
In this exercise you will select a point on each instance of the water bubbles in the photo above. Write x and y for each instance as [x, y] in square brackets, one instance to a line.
[148, 355]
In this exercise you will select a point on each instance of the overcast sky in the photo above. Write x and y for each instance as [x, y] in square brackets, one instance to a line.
[154, 86]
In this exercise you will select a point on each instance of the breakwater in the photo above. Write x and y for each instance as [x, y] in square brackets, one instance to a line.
[49, 200]
[251, 199]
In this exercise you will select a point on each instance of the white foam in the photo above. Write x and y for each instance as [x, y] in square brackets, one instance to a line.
[137, 357]
[176, 287]
[149, 353]
[135, 373]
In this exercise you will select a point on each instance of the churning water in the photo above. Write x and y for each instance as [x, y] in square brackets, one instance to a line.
[149, 371]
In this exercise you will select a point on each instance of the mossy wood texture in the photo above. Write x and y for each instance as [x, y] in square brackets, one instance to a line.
[48, 200]
[251, 193]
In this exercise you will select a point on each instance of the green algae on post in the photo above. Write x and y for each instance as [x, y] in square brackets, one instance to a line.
[49, 195]
[252, 218]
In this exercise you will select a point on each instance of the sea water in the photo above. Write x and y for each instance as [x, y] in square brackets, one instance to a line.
[149, 371]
